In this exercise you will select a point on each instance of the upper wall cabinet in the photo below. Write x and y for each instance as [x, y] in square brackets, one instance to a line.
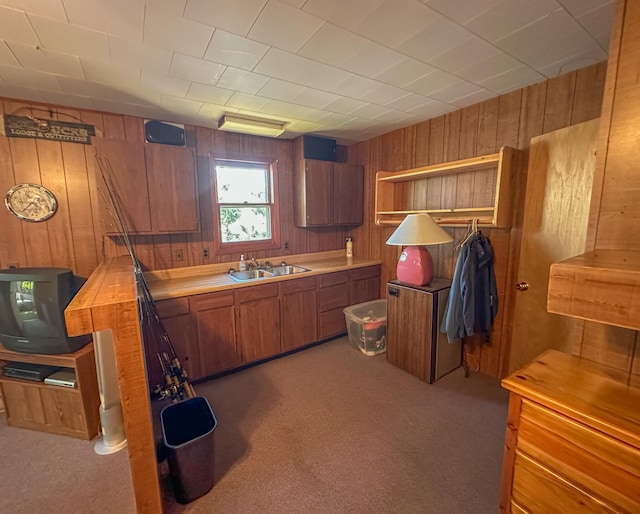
[452, 193]
[154, 187]
[326, 193]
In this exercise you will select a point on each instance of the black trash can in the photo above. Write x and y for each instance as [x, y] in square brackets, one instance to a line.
[187, 433]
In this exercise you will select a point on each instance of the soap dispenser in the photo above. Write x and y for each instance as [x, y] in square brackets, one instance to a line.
[243, 264]
[349, 247]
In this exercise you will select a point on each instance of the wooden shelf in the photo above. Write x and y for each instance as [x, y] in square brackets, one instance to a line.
[485, 195]
[601, 286]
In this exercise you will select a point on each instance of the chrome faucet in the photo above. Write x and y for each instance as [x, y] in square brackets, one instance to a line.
[254, 264]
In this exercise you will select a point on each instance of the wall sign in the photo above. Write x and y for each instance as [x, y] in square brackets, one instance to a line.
[51, 130]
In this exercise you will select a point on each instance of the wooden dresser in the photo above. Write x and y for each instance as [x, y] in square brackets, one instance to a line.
[573, 438]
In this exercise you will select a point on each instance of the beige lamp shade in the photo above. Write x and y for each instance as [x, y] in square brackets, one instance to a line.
[418, 230]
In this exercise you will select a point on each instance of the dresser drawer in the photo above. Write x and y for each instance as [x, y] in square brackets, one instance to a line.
[599, 463]
[538, 489]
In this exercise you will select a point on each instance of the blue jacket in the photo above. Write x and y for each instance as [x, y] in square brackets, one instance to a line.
[473, 299]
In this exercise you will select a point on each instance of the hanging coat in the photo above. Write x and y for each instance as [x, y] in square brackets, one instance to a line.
[473, 299]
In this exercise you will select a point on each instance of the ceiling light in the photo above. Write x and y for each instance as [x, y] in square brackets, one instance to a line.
[253, 126]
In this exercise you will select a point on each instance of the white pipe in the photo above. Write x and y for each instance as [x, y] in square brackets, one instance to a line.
[113, 438]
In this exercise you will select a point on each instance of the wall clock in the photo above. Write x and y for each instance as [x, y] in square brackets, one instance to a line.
[31, 202]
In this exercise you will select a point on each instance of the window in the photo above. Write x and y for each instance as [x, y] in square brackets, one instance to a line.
[244, 199]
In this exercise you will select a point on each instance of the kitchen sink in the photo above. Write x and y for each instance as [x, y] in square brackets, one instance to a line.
[286, 270]
[251, 274]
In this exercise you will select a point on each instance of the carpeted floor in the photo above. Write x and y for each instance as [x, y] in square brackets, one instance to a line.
[326, 430]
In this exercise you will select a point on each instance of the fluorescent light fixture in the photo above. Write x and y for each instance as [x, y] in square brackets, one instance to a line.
[253, 126]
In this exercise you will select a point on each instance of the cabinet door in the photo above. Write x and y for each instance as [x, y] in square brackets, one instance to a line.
[181, 336]
[318, 195]
[173, 194]
[365, 290]
[258, 325]
[299, 319]
[216, 335]
[348, 194]
[126, 182]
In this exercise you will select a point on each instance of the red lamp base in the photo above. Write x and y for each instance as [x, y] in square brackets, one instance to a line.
[415, 266]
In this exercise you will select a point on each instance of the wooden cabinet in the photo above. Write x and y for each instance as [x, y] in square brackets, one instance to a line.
[298, 310]
[414, 340]
[176, 320]
[328, 193]
[215, 332]
[573, 438]
[154, 185]
[54, 409]
[482, 185]
[364, 284]
[258, 322]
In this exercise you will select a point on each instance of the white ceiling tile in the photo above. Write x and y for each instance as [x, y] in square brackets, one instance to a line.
[6, 56]
[114, 73]
[461, 12]
[71, 39]
[245, 101]
[395, 20]
[355, 86]
[164, 84]
[314, 98]
[28, 78]
[295, 3]
[197, 70]
[435, 39]
[284, 27]
[243, 81]
[332, 44]
[574, 62]
[122, 18]
[283, 65]
[598, 21]
[166, 30]
[604, 41]
[302, 127]
[180, 105]
[509, 16]
[384, 94]
[403, 72]
[371, 60]
[144, 111]
[208, 94]
[96, 90]
[370, 111]
[59, 98]
[408, 102]
[300, 112]
[277, 89]
[334, 119]
[173, 6]
[236, 51]
[467, 54]
[45, 8]
[474, 98]
[20, 92]
[431, 110]
[321, 76]
[581, 7]
[230, 15]
[15, 27]
[341, 13]
[393, 118]
[145, 57]
[213, 111]
[455, 91]
[512, 80]
[435, 81]
[490, 68]
[45, 60]
[344, 105]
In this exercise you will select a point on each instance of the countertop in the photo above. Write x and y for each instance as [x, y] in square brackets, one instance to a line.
[177, 282]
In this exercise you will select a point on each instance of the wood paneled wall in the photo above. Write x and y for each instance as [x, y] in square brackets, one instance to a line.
[75, 237]
[511, 119]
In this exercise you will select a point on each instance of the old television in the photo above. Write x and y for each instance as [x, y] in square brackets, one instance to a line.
[32, 304]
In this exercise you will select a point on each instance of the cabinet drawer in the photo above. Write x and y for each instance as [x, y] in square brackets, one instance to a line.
[362, 273]
[602, 464]
[295, 286]
[250, 294]
[172, 307]
[333, 297]
[331, 279]
[203, 302]
[539, 490]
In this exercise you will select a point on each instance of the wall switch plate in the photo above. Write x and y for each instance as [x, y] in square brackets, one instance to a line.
[205, 253]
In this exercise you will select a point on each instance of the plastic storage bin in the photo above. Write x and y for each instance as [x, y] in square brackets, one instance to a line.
[367, 326]
[187, 433]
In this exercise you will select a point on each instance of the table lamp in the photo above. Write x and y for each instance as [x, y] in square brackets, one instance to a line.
[415, 265]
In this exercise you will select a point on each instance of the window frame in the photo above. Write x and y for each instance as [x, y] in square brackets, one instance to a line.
[274, 206]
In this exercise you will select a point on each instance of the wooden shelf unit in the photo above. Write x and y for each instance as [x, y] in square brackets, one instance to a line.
[485, 193]
[49, 408]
